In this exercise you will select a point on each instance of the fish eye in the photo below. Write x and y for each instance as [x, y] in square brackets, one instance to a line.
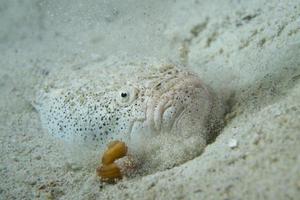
[123, 94]
[127, 95]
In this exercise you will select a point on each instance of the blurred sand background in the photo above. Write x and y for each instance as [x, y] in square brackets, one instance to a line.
[247, 50]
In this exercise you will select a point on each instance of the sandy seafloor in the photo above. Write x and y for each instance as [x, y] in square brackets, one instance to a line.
[247, 50]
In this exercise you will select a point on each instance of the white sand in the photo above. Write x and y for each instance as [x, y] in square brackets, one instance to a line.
[248, 51]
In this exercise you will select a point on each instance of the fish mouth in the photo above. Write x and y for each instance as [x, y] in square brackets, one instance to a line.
[168, 101]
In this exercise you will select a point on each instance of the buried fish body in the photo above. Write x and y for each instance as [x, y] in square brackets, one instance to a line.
[130, 102]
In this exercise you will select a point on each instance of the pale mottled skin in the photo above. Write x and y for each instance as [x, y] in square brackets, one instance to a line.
[130, 102]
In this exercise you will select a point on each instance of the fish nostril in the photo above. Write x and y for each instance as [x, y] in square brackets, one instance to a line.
[166, 84]
[158, 86]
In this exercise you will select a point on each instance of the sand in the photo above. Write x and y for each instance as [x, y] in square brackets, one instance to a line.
[247, 51]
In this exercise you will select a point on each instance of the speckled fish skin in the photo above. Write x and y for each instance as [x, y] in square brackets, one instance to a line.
[129, 102]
